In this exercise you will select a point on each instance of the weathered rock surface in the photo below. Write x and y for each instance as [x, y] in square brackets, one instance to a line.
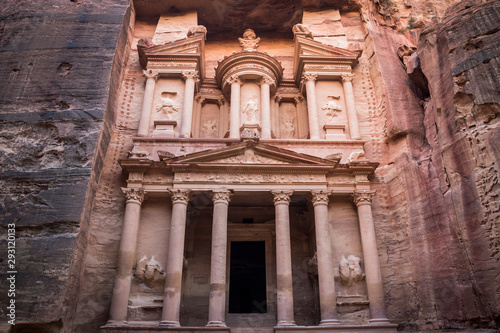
[55, 62]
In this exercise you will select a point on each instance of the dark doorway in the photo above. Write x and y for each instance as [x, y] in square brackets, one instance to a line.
[247, 286]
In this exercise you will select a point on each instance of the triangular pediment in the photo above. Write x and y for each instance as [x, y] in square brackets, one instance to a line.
[248, 154]
[181, 53]
[310, 47]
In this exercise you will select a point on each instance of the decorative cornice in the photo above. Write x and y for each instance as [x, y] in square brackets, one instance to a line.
[363, 197]
[320, 197]
[135, 195]
[221, 196]
[180, 196]
[347, 77]
[281, 197]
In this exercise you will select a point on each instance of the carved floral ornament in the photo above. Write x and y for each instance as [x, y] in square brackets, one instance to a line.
[180, 196]
[282, 197]
[250, 41]
[363, 197]
[221, 196]
[133, 194]
[149, 74]
[309, 77]
[320, 197]
[193, 75]
[347, 77]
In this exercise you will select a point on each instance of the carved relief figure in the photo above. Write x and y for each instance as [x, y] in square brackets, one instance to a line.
[301, 29]
[149, 272]
[331, 107]
[350, 270]
[168, 108]
[288, 129]
[250, 110]
[250, 41]
[209, 129]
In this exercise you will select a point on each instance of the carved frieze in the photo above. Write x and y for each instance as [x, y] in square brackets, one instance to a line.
[248, 178]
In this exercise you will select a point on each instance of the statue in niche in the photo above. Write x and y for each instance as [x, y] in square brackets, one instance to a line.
[149, 272]
[350, 270]
[168, 108]
[332, 108]
[288, 129]
[209, 129]
[250, 110]
[250, 41]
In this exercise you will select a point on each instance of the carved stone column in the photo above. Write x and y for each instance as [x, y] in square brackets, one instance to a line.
[363, 199]
[265, 102]
[175, 260]
[352, 115]
[283, 258]
[312, 108]
[327, 296]
[147, 103]
[217, 305]
[126, 255]
[191, 78]
[234, 121]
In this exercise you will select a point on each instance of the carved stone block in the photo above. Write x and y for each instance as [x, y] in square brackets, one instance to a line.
[164, 128]
[335, 132]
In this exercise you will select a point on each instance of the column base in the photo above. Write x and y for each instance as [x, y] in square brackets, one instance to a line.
[382, 321]
[282, 323]
[116, 323]
[167, 323]
[216, 323]
[329, 322]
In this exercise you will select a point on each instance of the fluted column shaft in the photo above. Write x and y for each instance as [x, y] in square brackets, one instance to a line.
[363, 200]
[126, 255]
[312, 108]
[327, 296]
[147, 103]
[190, 78]
[217, 304]
[175, 260]
[284, 281]
[265, 102]
[234, 121]
[352, 115]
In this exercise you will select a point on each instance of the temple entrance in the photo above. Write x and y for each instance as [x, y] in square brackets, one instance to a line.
[247, 286]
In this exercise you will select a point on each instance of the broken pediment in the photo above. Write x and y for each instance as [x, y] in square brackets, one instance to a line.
[179, 53]
[317, 55]
[249, 155]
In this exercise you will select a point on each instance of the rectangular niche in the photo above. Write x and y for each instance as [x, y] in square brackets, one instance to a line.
[210, 126]
[288, 122]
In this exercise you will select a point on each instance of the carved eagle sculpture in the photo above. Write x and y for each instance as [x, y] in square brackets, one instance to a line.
[350, 270]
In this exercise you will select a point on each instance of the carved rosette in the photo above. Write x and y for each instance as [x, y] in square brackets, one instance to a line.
[281, 197]
[190, 75]
[347, 77]
[309, 77]
[320, 197]
[233, 79]
[221, 196]
[135, 195]
[180, 196]
[363, 197]
[150, 75]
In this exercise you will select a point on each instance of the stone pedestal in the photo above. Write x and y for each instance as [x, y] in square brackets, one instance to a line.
[164, 128]
[335, 132]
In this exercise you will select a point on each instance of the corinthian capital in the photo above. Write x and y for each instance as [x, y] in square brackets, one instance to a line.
[347, 77]
[133, 194]
[363, 197]
[221, 196]
[193, 75]
[180, 196]
[309, 77]
[320, 197]
[265, 79]
[233, 79]
[149, 74]
[282, 197]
